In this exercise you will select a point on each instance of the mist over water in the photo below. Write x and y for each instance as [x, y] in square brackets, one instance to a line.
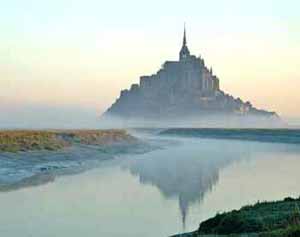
[203, 121]
[202, 150]
[33, 116]
[159, 193]
[187, 173]
[42, 116]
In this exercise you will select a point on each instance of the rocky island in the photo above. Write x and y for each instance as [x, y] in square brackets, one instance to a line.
[184, 90]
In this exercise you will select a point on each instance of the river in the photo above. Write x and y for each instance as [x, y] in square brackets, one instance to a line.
[159, 193]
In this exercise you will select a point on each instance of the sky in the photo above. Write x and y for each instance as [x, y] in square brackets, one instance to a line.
[64, 58]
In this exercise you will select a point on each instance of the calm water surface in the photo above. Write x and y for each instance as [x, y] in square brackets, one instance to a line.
[155, 194]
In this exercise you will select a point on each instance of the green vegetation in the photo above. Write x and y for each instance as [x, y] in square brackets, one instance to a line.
[30, 140]
[291, 231]
[261, 217]
[264, 219]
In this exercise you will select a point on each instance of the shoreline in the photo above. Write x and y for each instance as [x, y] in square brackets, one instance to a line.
[263, 219]
[31, 158]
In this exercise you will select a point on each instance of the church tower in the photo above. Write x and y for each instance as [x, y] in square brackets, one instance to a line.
[184, 52]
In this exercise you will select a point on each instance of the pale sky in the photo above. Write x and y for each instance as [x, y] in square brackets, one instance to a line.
[78, 55]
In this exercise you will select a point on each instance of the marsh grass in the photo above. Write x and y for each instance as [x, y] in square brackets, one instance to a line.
[31, 140]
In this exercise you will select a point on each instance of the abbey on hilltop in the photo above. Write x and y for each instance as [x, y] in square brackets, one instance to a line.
[183, 89]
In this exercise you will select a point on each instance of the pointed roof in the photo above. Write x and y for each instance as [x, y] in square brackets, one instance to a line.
[184, 52]
[184, 36]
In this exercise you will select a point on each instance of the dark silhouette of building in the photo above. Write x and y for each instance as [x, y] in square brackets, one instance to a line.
[180, 89]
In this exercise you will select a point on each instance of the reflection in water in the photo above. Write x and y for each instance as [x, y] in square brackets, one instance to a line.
[189, 171]
[110, 201]
[35, 180]
[187, 174]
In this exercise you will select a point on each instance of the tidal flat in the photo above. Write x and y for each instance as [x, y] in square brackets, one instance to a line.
[35, 157]
[160, 186]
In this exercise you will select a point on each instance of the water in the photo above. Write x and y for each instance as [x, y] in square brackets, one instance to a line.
[160, 193]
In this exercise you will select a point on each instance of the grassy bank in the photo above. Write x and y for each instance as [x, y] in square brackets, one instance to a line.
[265, 219]
[31, 140]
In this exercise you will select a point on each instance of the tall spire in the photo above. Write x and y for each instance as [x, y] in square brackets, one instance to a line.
[184, 36]
[184, 52]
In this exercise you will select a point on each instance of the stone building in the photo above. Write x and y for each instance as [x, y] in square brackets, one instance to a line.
[183, 88]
